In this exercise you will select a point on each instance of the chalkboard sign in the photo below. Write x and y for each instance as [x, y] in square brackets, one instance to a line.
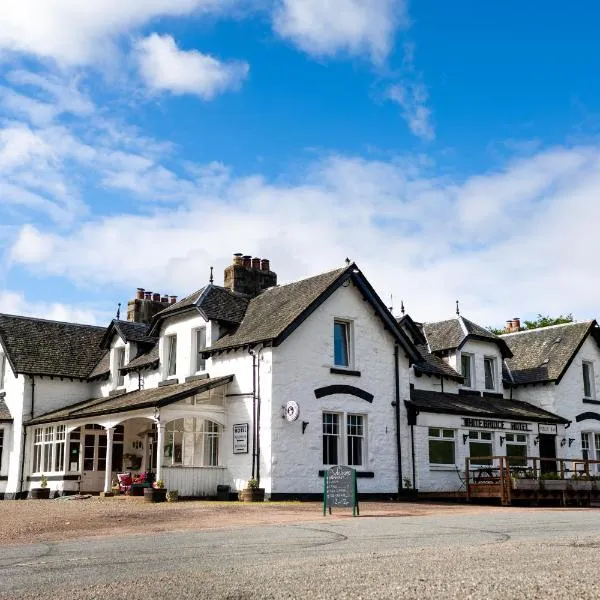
[339, 489]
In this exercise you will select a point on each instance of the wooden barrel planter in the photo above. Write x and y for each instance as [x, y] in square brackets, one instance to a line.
[252, 495]
[39, 493]
[155, 494]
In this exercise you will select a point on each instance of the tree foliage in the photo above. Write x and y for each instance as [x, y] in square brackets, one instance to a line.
[539, 321]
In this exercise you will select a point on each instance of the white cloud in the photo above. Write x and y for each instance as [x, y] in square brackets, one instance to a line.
[328, 27]
[165, 67]
[412, 97]
[75, 32]
[15, 303]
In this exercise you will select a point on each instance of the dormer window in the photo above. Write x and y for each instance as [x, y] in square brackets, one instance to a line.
[200, 346]
[171, 355]
[589, 389]
[2, 370]
[466, 362]
[489, 367]
[119, 364]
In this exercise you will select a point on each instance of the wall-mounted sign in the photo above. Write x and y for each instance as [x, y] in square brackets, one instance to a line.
[494, 424]
[240, 438]
[547, 429]
[292, 410]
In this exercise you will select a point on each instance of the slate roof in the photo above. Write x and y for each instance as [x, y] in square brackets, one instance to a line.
[451, 334]
[213, 302]
[435, 365]
[5, 416]
[544, 354]
[145, 360]
[41, 347]
[102, 368]
[160, 396]
[130, 331]
[478, 406]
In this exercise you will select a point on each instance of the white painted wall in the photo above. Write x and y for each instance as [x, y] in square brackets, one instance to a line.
[480, 350]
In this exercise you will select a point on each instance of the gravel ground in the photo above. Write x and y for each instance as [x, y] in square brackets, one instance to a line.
[31, 521]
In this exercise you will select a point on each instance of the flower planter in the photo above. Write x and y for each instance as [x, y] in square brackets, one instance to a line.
[529, 485]
[39, 493]
[172, 495]
[554, 485]
[155, 494]
[580, 485]
[252, 495]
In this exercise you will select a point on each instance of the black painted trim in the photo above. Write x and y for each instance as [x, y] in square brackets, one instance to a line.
[55, 477]
[3, 477]
[359, 474]
[587, 415]
[166, 382]
[329, 390]
[492, 395]
[588, 401]
[337, 371]
[467, 392]
[2, 395]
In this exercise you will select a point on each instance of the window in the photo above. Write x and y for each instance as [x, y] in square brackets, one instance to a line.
[516, 449]
[589, 451]
[441, 446]
[489, 367]
[119, 364]
[588, 380]
[192, 442]
[200, 345]
[465, 361]
[355, 435]
[2, 370]
[171, 355]
[585, 446]
[331, 437]
[480, 445]
[1, 446]
[341, 343]
[49, 449]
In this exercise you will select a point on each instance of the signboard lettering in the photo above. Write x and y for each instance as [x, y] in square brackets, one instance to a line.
[240, 438]
[339, 489]
[547, 429]
[494, 424]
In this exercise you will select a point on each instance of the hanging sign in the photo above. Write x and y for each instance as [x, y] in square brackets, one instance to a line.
[292, 410]
[339, 489]
[240, 438]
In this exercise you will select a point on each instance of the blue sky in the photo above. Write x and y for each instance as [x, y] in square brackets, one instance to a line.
[451, 149]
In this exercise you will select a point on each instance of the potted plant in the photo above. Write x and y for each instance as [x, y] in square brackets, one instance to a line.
[172, 495]
[580, 482]
[553, 482]
[525, 480]
[115, 488]
[42, 492]
[252, 493]
[157, 492]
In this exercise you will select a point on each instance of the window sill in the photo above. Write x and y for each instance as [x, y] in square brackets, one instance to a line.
[359, 474]
[168, 382]
[344, 371]
[451, 468]
[590, 401]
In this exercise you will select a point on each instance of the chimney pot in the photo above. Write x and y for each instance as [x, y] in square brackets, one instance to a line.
[237, 259]
[264, 265]
[156, 297]
[165, 299]
[140, 294]
[173, 299]
[517, 323]
[147, 295]
[247, 261]
[256, 263]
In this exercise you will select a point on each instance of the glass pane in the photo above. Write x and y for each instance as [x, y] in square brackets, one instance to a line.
[88, 452]
[587, 388]
[59, 457]
[330, 450]
[441, 452]
[486, 435]
[516, 453]
[448, 433]
[340, 342]
[433, 432]
[465, 360]
[473, 435]
[355, 451]
[172, 364]
[488, 365]
[200, 345]
[478, 449]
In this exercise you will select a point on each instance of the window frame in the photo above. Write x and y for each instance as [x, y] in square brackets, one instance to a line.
[3, 362]
[470, 383]
[199, 362]
[200, 439]
[516, 441]
[442, 436]
[49, 449]
[119, 358]
[587, 367]
[476, 436]
[3, 438]
[345, 422]
[491, 360]
[348, 329]
[171, 355]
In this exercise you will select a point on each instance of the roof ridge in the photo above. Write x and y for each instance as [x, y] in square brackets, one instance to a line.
[39, 319]
[278, 287]
[535, 329]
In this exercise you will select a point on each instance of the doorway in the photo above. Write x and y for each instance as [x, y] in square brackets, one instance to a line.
[547, 451]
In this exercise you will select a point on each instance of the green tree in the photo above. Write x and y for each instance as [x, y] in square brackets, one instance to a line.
[547, 320]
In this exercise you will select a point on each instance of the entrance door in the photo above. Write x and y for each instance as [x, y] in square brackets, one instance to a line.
[94, 461]
[548, 450]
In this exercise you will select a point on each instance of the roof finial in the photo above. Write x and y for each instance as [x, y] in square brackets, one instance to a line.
[211, 279]
[391, 306]
[347, 261]
[457, 309]
[402, 307]
[118, 311]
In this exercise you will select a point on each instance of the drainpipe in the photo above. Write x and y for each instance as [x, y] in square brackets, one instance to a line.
[253, 354]
[23, 449]
[412, 446]
[256, 412]
[397, 413]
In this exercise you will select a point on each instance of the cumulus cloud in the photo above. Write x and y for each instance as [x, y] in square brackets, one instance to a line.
[165, 67]
[412, 97]
[328, 27]
[72, 32]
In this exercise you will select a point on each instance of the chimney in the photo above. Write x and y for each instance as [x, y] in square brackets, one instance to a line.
[513, 325]
[173, 299]
[517, 323]
[250, 276]
[145, 305]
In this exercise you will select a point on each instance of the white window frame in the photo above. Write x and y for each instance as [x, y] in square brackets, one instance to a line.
[196, 436]
[2, 369]
[349, 331]
[49, 448]
[471, 359]
[481, 437]
[170, 346]
[119, 363]
[591, 382]
[493, 363]
[199, 365]
[590, 443]
[516, 439]
[446, 434]
[346, 433]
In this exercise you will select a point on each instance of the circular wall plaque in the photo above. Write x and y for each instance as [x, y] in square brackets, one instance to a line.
[291, 410]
